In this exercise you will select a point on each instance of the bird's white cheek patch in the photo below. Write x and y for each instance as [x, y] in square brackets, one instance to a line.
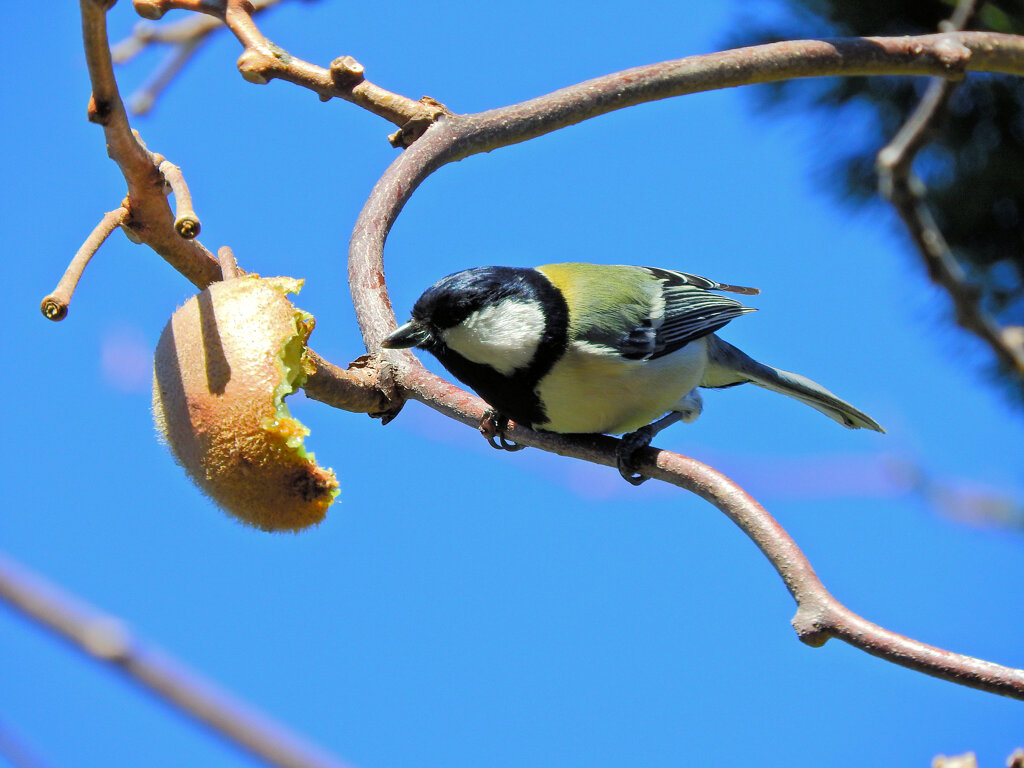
[504, 336]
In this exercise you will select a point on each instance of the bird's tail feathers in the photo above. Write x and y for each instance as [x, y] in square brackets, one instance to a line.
[728, 366]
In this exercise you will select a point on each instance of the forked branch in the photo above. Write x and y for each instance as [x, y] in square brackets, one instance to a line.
[453, 137]
[149, 218]
[819, 615]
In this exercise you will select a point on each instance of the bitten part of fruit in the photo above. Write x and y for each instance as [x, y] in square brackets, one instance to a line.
[223, 366]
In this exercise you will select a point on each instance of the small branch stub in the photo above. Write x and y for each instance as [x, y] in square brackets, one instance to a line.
[404, 137]
[251, 65]
[53, 308]
[811, 625]
[346, 72]
[228, 265]
[150, 9]
[367, 386]
[187, 226]
[107, 639]
[98, 112]
[954, 56]
[186, 223]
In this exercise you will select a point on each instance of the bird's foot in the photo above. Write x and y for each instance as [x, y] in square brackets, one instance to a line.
[493, 427]
[625, 454]
[633, 442]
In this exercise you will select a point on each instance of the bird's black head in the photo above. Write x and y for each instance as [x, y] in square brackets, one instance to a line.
[497, 329]
[452, 299]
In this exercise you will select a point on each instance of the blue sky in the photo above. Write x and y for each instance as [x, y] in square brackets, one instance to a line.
[461, 607]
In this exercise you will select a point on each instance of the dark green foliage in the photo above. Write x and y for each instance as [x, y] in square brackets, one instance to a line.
[974, 164]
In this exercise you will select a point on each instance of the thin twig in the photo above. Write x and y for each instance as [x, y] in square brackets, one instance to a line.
[107, 640]
[55, 306]
[146, 95]
[961, 18]
[946, 56]
[262, 61]
[906, 192]
[191, 29]
[185, 37]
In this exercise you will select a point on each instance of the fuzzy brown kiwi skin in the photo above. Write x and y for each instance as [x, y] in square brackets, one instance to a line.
[221, 367]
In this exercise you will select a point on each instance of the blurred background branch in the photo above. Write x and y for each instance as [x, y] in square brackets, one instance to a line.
[184, 37]
[965, 143]
[108, 641]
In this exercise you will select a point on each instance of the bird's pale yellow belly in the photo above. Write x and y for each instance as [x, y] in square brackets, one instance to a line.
[589, 391]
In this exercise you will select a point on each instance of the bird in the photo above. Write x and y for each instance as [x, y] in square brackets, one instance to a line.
[578, 348]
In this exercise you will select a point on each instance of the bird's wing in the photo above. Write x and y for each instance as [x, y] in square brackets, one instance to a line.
[670, 277]
[690, 310]
[671, 311]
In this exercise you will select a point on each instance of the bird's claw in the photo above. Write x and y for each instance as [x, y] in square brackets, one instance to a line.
[625, 454]
[493, 427]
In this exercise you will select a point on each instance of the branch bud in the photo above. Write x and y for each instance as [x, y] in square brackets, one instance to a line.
[250, 64]
[54, 308]
[346, 72]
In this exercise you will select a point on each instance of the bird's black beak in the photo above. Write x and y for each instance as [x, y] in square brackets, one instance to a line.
[412, 334]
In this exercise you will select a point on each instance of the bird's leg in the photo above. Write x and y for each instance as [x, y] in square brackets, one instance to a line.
[634, 442]
[493, 426]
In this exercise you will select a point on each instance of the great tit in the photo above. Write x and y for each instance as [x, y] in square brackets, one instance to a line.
[587, 348]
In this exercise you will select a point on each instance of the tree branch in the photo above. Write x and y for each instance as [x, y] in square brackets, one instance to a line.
[147, 217]
[819, 615]
[453, 137]
[107, 640]
[898, 183]
[365, 386]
